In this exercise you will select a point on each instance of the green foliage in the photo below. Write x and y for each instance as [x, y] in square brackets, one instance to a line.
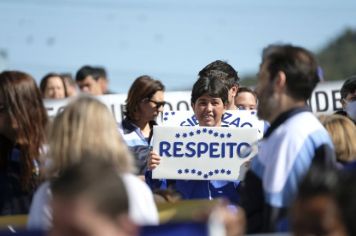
[337, 58]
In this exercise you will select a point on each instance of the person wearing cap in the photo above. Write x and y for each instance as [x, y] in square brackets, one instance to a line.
[348, 98]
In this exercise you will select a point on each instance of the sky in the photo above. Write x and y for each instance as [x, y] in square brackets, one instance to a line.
[170, 40]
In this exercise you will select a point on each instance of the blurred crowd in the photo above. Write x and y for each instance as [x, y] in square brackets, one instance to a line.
[82, 173]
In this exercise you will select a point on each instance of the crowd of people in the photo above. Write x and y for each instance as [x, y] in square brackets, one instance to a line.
[83, 174]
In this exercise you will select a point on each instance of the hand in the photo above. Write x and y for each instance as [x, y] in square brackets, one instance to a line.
[153, 160]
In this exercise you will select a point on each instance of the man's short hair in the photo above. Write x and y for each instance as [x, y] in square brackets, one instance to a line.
[299, 66]
[86, 71]
[349, 86]
[221, 70]
[97, 181]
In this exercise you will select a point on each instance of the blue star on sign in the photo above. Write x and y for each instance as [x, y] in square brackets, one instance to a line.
[205, 176]
[186, 171]
[199, 173]
[211, 173]
[228, 172]
[191, 133]
[198, 131]
[185, 135]
[222, 135]
[180, 171]
[222, 171]
[193, 171]
[205, 130]
[228, 135]
[166, 113]
[177, 135]
[210, 131]
[165, 118]
[173, 113]
[216, 171]
[216, 134]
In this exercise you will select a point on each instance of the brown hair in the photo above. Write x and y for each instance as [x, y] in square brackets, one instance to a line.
[45, 79]
[144, 87]
[28, 116]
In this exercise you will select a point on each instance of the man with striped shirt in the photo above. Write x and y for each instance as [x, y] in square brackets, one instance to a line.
[294, 142]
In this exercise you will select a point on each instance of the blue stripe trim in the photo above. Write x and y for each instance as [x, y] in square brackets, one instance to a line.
[300, 167]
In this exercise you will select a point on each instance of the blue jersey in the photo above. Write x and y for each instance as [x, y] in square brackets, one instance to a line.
[293, 142]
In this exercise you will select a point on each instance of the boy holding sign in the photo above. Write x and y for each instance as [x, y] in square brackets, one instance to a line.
[209, 98]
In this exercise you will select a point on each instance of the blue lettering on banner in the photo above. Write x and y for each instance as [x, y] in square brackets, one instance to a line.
[177, 148]
[225, 117]
[236, 122]
[190, 147]
[246, 124]
[246, 152]
[202, 148]
[192, 121]
[214, 149]
[164, 148]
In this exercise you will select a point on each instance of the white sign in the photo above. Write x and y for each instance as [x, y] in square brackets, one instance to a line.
[324, 100]
[203, 153]
[231, 118]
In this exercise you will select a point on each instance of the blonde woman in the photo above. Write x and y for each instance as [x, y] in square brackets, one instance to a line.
[343, 134]
[87, 128]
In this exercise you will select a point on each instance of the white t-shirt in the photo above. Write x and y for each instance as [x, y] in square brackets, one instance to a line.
[142, 208]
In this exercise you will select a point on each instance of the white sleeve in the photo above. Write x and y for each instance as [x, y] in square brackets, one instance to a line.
[40, 216]
[142, 208]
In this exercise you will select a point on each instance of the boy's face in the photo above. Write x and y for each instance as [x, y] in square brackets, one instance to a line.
[208, 110]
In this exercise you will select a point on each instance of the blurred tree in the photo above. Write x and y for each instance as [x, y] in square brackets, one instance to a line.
[337, 58]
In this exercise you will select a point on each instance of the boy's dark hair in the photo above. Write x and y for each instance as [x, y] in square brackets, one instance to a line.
[299, 66]
[86, 71]
[211, 86]
[222, 70]
[95, 180]
[349, 86]
[101, 72]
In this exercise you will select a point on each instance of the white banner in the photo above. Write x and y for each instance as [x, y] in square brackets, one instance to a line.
[203, 153]
[231, 118]
[324, 100]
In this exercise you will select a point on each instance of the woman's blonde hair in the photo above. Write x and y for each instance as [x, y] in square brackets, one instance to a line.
[86, 128]
[343, 134]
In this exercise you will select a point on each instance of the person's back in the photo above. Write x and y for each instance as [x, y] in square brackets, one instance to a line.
[294, 141]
